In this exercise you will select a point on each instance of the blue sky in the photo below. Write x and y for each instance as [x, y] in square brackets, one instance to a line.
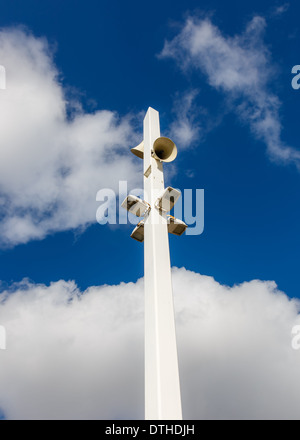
[107, 54]
[222, 69]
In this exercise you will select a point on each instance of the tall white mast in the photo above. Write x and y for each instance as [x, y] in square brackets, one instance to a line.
[162, 387]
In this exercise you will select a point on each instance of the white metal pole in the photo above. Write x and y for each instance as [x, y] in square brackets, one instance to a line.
[162, 388]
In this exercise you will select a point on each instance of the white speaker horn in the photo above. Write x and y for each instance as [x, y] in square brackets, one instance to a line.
[164, 149]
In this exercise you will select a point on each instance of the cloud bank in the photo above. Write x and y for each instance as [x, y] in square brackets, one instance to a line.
[241, 68]
[54, 156]
[79, 355]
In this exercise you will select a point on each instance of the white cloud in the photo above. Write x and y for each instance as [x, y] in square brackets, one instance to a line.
[185, 129]
[51, 164]
[73, 354]
[279, 10]
[241, 68]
